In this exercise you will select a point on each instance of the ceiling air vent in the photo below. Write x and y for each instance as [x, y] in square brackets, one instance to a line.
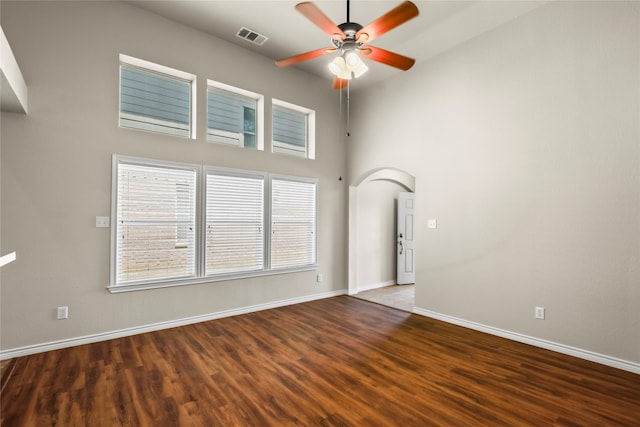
[252, 36]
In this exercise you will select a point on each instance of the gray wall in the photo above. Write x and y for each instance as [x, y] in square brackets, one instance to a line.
[56, 168]
[525, 145]
[376, 234]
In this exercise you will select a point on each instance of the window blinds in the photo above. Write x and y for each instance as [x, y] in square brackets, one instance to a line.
[234, 223]
[156, 221]
[154, 101]
[171, 229]
[293, 223]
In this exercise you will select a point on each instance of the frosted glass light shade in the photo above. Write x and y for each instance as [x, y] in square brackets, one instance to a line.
[347, 66]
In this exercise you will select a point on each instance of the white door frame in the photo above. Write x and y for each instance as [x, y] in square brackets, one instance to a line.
[398, 176]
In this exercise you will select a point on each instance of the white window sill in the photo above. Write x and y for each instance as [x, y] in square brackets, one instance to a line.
[116, 289]
[6, 259]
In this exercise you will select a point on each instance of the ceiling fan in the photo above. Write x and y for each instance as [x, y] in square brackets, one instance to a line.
[350, 40]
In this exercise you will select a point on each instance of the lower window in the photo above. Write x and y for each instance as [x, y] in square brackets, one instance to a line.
[234, 222]
[293, 222]
[155, 222]
[247, 223]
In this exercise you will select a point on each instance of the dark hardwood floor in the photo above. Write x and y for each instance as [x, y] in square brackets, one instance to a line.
[333, 362]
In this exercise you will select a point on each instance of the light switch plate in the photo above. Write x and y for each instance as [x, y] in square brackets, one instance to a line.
[63, 313]
[102, 222]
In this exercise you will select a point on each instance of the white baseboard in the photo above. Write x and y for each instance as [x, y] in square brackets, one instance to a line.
[537, 342]
[88, 339]
[371, 286]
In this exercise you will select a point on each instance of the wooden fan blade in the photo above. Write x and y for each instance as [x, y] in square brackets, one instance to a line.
[339, 83]
[388, 58]
[303, 57]
[396, 16]
[315, 15]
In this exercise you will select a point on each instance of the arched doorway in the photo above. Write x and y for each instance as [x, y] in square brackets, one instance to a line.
[404, 180]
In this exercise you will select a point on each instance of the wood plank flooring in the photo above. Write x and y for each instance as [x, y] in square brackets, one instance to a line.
[334, 362]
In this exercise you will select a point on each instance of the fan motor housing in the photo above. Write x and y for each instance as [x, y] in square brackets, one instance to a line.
[350, 29]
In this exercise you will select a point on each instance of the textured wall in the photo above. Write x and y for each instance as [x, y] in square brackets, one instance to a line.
[525, 145]
[376, 233]
[56, 168]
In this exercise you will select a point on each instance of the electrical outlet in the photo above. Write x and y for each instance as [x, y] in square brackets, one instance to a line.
[319, 278]
[63, 313]
[540, 313]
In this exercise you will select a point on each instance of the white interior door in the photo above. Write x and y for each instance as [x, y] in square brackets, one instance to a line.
[406, 259]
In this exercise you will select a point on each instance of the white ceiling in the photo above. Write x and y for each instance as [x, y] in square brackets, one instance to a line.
[441, 25]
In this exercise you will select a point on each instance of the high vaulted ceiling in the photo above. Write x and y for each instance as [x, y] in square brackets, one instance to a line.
[440, 26]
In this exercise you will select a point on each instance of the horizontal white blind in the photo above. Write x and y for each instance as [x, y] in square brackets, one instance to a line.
[293, 223]
[156, 221]
[234, 223]
[289, 130]
[154, 101]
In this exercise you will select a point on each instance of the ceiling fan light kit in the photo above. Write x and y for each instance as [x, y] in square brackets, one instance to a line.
[349, 39]
[348, 66]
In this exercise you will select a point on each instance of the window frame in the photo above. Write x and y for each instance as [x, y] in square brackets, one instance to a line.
[166, 72]
[129, 160]
[200, 224]
[259, 134]
[211, 170]
[290, 178]
[310, 141]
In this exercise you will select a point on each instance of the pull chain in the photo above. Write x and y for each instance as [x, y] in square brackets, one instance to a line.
[348, 105]
[348, 94]
[348, 108]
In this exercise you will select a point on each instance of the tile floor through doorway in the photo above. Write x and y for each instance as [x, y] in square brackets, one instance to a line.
[401, 297]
